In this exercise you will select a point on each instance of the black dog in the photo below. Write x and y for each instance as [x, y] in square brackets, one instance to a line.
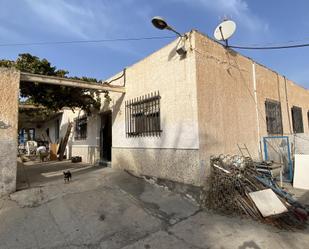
[67, 176]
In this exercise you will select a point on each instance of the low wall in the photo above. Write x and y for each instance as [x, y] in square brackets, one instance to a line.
[180, 165]
[9, 90]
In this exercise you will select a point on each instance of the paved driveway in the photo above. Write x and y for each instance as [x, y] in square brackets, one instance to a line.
[106, 208]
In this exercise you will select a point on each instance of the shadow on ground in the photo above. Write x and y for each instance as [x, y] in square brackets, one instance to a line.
[34, 174]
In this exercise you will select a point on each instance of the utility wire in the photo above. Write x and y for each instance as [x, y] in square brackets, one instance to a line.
[85, 41]
[145, 38]
[271, 47]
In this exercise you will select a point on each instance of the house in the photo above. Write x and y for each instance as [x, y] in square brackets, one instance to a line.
[178, 110]
[203, 104]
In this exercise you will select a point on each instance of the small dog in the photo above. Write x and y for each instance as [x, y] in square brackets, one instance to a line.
[67, 176]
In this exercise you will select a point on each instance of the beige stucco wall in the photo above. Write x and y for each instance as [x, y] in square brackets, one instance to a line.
[273, 86]
[226, 105]
[299, 96]
[9, 92]
[228, 112]
[164, 71]
[174, 154]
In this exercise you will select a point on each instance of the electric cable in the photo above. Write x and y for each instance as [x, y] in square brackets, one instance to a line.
[85, 41]
[270, 47]
[261, 47]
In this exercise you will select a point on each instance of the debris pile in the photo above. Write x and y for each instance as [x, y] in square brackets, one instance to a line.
[237, 187]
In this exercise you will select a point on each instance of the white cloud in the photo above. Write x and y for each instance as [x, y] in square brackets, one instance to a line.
[235, 9]
[65, 17]
[87, 20]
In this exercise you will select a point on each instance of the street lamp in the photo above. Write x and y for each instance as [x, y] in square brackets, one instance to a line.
[160, 23]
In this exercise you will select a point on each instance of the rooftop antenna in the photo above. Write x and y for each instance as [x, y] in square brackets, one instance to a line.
[225, 30]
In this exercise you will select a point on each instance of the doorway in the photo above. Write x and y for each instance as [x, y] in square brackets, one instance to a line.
[106, 137]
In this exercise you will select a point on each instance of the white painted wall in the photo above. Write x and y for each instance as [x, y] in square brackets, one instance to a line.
[174, 78]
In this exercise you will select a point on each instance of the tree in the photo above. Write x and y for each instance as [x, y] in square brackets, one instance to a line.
[52, 96]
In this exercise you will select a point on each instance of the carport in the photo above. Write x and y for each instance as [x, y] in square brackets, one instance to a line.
[10, 80]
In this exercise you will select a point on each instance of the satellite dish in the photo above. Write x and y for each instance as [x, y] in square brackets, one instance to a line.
[225, 30]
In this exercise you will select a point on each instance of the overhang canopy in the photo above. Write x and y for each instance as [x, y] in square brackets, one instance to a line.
[28, 77]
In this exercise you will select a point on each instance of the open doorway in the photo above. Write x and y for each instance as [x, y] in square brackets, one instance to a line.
[106, 137]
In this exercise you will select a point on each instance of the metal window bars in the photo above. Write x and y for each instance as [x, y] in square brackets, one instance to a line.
[297, 119]
[142, 116]
[80, 128]
[273, 117]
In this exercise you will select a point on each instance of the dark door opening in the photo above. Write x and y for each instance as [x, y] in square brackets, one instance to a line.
[106, 137]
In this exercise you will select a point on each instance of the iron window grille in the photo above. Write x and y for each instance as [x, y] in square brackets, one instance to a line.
[80, 128]
[273, 117]
[143, 116]
[297, 119]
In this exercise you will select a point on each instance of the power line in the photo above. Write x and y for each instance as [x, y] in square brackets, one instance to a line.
[271, 47]
[85, 41]
[262, 47]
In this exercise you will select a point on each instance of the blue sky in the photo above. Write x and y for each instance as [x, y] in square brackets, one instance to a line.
[258, 23]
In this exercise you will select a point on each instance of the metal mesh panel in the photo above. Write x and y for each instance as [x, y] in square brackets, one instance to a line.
[277, 149]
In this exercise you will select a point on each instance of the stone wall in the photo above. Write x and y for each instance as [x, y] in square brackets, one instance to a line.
[9, 92]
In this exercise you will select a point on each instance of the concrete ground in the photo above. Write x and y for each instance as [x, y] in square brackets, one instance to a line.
[106, 208]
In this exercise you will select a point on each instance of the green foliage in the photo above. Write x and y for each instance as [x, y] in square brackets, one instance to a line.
[52, 96]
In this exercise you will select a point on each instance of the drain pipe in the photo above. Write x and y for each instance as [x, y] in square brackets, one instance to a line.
[256, 110]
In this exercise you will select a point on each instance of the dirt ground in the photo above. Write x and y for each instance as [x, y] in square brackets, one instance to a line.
[106, 208]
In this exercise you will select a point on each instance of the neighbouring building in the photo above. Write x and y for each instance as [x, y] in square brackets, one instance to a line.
[179, 109]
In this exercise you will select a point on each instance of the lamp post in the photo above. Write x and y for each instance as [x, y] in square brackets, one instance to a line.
[161, 24]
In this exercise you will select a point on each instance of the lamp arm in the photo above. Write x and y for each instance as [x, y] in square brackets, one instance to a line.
[172, 29]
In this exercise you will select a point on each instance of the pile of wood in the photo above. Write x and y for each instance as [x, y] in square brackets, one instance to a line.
[236, 187]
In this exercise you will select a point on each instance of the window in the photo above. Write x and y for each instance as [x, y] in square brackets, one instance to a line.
[297, 119]
[81, 128]
[273, 117]
[143, 116]
[25, 135]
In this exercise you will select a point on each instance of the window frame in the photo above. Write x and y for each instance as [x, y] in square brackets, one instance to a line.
[143, 116]
[297, 127]
[77, 129]
[274, 124]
